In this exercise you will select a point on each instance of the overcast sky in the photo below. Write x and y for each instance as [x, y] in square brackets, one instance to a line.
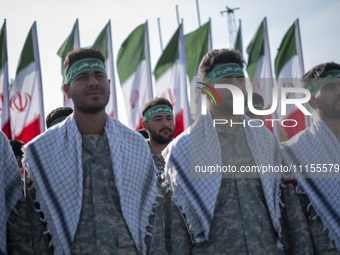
[319, 25]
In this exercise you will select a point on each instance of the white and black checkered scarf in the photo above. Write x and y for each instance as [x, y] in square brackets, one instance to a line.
[318, 145]
[10, 186]
[54, 161]
[196, 196]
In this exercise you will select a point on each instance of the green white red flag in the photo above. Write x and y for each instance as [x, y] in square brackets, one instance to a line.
[170, 75]
[72, 42]
[4, 93]
[259, 69]
[289, 69]
[134, 71]
[26, 96]
[197, 44]
[104, 43]
[238, 42]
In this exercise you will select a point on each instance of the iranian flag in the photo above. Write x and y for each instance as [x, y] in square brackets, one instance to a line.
[238, 42]
[4, 103]
[289, 69]
[71, 43]
[197, 44]
[26, 97]
[259, 69]
[134, 71]
[170, 75]
[104, 43]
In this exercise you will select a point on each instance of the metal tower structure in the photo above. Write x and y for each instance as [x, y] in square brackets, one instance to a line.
[231, 24]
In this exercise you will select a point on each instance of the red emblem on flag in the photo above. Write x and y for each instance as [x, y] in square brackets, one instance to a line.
[20, 101]
[2, 101]
[134, 98]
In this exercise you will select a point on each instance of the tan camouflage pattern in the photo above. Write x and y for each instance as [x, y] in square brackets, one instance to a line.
[307, 232]
[169, 233]
[101, 229]
[159, 161]
[297, 227]
[25, 230]
[241, 223]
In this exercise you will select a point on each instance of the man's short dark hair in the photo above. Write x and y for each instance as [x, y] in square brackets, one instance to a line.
[154, 102]
[220, 56]
[57, 113]
[81, 53]
[318, 70]
[17, 146]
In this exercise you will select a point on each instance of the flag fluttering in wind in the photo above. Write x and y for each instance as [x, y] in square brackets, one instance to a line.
[238, 42]
[104, 43]
[170, 75]
[259, 69]
[134, 71]
[4, 90]
[289, 69]
[197, 44]
[72, 42]
[26, 96]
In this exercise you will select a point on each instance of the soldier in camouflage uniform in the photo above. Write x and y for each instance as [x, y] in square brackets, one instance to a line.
[169, 235]
[242, 221]
[103, 187]
[316, 232]
[25, 225]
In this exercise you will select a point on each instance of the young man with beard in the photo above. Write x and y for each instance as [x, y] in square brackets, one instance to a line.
[226, 212]
[159, 123]
[315, 152]
[167, 222]
[94, 177]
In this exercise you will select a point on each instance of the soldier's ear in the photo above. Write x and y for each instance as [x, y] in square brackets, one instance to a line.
[66, 88]
[145, 125]
[312, 102]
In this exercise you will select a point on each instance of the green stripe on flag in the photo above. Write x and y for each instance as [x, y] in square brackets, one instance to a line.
[238, 41]
[66, 47]
[102, 41]
[27, 53]
[196, 46]
[3, 48]
[131, 53]
[255, 51]
[286, 51]
[169, 56]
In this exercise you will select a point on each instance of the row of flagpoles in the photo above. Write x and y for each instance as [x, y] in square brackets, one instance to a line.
[22, 115]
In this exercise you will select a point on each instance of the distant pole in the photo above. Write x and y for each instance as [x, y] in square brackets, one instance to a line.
[177, 13]
[160, 33]
[198, 13]
[210, 43]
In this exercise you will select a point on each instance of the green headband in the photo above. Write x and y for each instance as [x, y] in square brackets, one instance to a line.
[316, 84]
[257, 106]
[158, 109]
[223, 71]
[84, 65]
[58, 120]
